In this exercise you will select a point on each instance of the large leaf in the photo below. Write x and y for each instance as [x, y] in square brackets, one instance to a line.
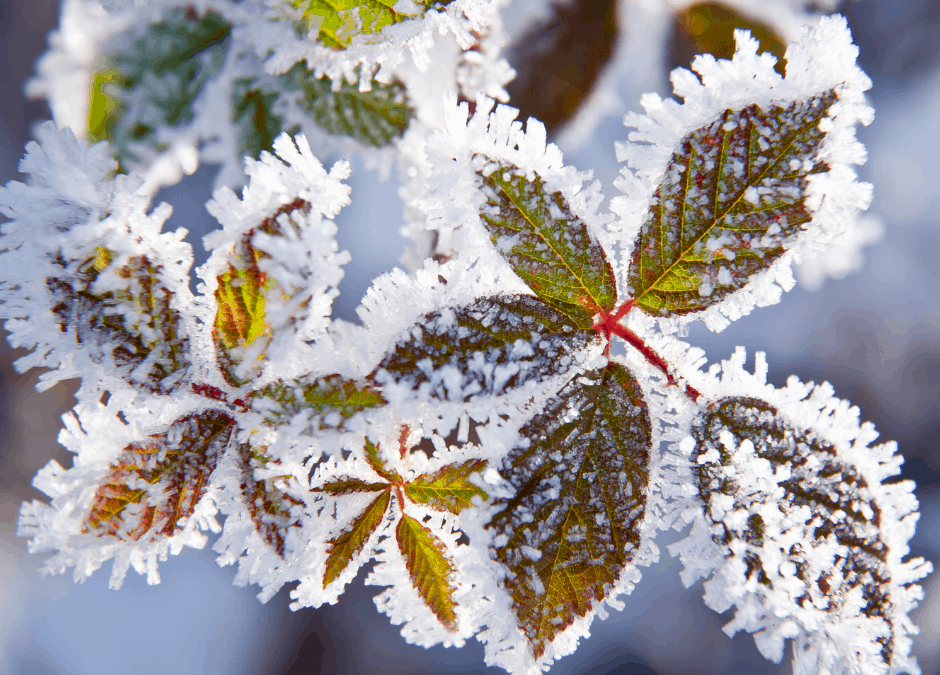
[548, 246]
[154, 82]
[351, 541]
[581, 477]
[339, 21]
[156, 483]
[488, 347]
[449, 488]
[428, 568]
[135, 327]
[822, 493]
[731, 202]
[330, 399]
[268, 505]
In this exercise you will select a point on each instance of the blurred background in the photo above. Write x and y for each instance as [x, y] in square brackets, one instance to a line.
[875, 335]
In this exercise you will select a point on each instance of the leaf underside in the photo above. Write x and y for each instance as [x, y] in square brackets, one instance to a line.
[353, 539]
[136, 328]
[449, 488]
[488, 347]
[548, 246]
[731, 202]
[331, 399]
[819, 480]
[156, 483]
[428, 568]
[268, 505]
[580, 482]
[339, 21]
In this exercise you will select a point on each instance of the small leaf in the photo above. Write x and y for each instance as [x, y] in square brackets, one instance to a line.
[331, 398]
[374, 457]
[252, 114]
[548, 246]
[352, 540]
[339, 21]
[488, 347]
[731, 202]
[268, 505]
[581, 478]
[156, 483]
[428, 568]
[375, 117]
[135, 327]
[449, 488]
[708, 28]
[816, 490]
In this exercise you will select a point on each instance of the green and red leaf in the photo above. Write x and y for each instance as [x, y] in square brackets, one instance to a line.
[268, 504]
[428, 567]
[353, 539]
[449, 488]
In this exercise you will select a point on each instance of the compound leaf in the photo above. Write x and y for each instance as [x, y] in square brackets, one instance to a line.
[488, 347]
[351, 541]
[428, 568]
[732, 201]
[339, 21]
[548, 246]
[449, 488]
[268, 505]
[156, 483]
[580, 476]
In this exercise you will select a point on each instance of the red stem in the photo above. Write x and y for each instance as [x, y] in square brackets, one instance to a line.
[637, 343]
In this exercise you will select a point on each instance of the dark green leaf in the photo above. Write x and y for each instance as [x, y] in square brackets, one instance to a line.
[134, 329]
[351, 541]
[548, 246]
[731, 202]
[268, 505]
[252, 113]
[449, 488]
[819, 481]
[581, 478]
[428, 568]
[329, 399]
[488, 347]
[164, 478]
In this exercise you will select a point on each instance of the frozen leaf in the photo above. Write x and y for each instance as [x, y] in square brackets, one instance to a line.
[580, 477]
[375, 117]
[156, 483]
[731, 202]
[548, 246]
[155, 81]
[268, 505]
[428, 568]
[332, 399]
[134, 327]
[351, 541]
[337, 22]
[488, 347]
[708, 28]
[252, 113]
[448, 489]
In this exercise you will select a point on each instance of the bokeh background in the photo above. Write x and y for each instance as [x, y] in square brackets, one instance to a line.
[874, 335]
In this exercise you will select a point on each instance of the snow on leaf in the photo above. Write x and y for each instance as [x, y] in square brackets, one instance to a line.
[328, 399]
[337, 22]
[428, 568]
[548, 246]
[155, 81]
[351, 541]
[581, 480]
[157, 482]
[449, 488]
[488, 347]
[252, 112]
[267, 504]
[732, 201]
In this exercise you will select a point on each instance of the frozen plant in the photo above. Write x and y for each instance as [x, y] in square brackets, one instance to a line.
[512, 423]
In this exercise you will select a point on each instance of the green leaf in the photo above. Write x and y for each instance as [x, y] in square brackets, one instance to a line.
[488, 347]
[252, 113]
[375, 117]
[134, 328]
[352, 540]
[331, 399]
[268, 505]
[823, 491]
[339, 21]
[731, 202]
[154, 82]
[708, 28]
[581, 477]
[449, 488]
[428, 568]
[156, 483]
[548, 246]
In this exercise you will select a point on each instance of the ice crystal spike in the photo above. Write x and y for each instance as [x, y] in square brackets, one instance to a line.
[581, 482]
[488, 347]
[338, 22]
[156, 483]
[732, 201]
[548, 246]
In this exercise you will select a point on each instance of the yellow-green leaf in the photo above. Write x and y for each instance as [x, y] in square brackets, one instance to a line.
[352, 540]
[339, 21]
[333, 399]
[449, 488]
[428, 568]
